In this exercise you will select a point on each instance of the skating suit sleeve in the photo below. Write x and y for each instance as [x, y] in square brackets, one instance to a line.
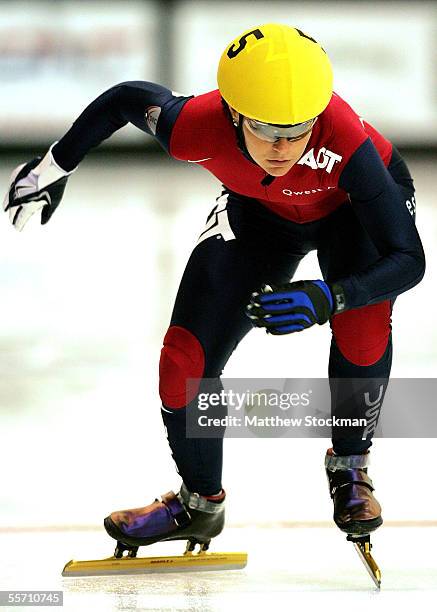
[383, 209]
[150, 107]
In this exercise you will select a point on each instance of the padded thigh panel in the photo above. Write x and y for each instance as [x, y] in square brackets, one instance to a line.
[362, 334]
[182, 357]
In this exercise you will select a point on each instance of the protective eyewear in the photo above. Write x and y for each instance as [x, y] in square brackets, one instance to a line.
[271, 132]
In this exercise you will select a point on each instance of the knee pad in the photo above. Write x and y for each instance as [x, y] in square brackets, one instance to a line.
[362, 334]
[182, 357]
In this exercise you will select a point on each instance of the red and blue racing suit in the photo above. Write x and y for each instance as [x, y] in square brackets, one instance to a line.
[350, 197]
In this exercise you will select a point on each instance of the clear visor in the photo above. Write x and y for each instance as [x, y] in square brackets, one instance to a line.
[271, 132]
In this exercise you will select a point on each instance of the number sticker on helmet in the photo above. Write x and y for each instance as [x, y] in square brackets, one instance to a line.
[243, 42]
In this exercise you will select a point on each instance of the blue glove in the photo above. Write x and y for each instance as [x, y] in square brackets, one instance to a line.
[292, 307]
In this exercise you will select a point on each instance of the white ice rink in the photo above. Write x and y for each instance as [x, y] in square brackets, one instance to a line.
[85, 302]
[288, 568]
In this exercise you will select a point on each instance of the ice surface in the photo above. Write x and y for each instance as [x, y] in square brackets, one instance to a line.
[287, 567]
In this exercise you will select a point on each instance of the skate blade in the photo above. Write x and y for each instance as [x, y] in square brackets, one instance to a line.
[197, 562]
[369, 563]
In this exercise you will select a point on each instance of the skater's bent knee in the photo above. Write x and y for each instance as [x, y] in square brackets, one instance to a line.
[362, 334]
[182, 358]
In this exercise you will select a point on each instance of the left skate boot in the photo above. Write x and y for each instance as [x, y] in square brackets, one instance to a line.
[356, 511]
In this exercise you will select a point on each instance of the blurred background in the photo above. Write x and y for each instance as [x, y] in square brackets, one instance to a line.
[86, 300]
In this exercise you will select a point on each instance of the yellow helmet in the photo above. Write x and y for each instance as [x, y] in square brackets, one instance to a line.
[275, 74]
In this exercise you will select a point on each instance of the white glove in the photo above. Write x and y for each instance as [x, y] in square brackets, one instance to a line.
[37, 185]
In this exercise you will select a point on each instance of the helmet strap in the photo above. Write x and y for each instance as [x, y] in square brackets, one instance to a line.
[241, 142]
[238, 125]
[268, 179]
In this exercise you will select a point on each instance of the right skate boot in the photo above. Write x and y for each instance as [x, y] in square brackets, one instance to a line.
[183, 516]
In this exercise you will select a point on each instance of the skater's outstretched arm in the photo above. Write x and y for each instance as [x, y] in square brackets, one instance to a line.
[151, 108]
[39, 185]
